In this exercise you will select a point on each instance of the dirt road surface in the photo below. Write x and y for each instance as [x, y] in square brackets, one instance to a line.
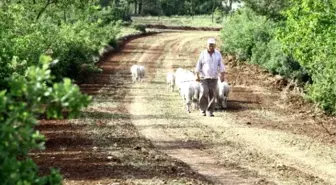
[141, 134]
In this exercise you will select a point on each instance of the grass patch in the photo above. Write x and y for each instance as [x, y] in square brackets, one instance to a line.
[196, 21]
[127, 30]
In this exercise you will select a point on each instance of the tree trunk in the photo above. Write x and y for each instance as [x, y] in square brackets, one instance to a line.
[140, 7]
[213, 10]
[135, 7]
[192, 9]
[64, 16]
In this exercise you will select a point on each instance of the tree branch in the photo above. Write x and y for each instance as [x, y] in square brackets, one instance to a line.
[44, 9]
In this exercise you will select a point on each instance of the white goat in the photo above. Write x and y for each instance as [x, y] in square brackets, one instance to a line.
[142, 73]
[178, 77]
[197, 93]
[187, 92]
[189, 88]
[222, 94]
[170, 81]
[138, 73]
[182, 75]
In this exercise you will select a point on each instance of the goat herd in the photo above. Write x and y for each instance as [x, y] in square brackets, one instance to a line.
[188, 87]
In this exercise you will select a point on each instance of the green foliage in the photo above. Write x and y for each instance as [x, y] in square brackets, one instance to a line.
[72, 32]
[76, 47]
[298, 48]
[116, 10]
[140, 27]
[28, 96]
[218, 14]
[67, 31]
[166, 7]
[243, 30]
[269, 8]
[323, 90]
[271, 56]
[309, 35]
[252, 38]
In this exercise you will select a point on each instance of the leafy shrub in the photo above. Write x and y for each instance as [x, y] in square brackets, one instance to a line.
[309, 35]
[252, 38]
[272, 57]
[243, 30]
[269, 8]
[218, 15]
[126, 23]
[140, 27]
[74, 41]
[70, 31]
[28, 96]
[114, 13]
[76, 47]
[323, 90]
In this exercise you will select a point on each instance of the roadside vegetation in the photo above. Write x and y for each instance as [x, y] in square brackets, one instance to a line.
[49, 45]
[291, 38]
[44, 44]
[179, 20]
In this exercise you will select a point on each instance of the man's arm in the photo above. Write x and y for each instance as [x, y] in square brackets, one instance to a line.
[198, 77]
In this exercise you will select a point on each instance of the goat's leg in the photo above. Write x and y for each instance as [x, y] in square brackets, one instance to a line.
[188, 107]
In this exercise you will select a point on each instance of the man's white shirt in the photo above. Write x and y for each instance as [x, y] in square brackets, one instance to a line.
[209, 65]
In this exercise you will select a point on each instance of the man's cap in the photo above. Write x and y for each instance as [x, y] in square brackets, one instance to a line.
[211, 41]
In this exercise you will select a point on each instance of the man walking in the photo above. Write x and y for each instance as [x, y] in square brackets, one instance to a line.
[208, 66]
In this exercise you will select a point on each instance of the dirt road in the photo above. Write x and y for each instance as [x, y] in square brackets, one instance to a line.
[141, 134]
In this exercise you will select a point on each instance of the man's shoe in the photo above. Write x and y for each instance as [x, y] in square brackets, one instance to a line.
[211, 114]
[203, 113]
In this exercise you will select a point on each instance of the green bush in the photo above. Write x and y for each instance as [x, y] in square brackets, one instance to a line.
[112, 13]
[269, 8]
[72, 32]
[218, 15]
[140, 27]
[272, 57]
[323, 90]
[76, 47]
[28, 96]
[252, 38]
[243, 30]
[309, 35]
[74, 40]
